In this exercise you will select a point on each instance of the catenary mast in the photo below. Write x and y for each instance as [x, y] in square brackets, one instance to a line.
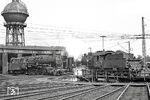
[143, 43]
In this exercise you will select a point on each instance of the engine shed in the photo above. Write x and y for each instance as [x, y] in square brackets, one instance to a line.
[8, 52]
[15, 14]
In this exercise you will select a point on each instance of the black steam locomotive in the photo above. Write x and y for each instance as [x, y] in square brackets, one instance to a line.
[40, 64]
[112, 65]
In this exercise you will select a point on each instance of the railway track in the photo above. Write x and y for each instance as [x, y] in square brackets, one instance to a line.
[64, 94]
[135, 92]
[31, 95]
[31, 87]
[130, 91]
[112, 95]
[96, 94]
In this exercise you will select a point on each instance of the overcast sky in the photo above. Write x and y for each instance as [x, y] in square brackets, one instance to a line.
[83, 22]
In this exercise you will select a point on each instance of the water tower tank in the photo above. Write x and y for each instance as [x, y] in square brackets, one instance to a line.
[16, 11]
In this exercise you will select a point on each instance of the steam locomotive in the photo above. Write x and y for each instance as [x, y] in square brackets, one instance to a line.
[110, 64]
[40, 64]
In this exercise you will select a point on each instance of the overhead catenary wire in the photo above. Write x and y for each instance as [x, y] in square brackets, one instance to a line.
[123, 43]
[50, 35]
[78, 34]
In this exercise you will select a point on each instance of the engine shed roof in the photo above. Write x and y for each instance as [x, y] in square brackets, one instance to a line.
[51, 48]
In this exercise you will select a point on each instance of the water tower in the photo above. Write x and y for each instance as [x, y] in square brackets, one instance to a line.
[15, 14]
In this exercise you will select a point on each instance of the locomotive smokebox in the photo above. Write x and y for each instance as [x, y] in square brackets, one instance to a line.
[16, 11]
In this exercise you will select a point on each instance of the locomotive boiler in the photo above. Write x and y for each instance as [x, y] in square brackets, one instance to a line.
[40, 64]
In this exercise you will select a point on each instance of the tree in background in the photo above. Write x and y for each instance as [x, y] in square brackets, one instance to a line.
[139, 57]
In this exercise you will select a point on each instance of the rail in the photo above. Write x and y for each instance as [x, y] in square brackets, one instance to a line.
[121, 95]
[29, 87]
[83, 93]
[109, 93]
[34, 93]
[71, 94]
[148, 89]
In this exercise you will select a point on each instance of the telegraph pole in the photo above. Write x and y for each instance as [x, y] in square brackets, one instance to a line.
[129, 49]
[90, 49]
[103, 42]
[143, 43]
